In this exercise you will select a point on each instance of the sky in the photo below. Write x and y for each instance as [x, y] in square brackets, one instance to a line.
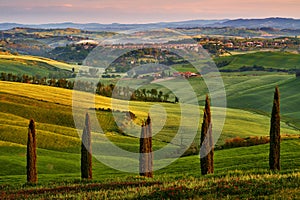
[141, 11]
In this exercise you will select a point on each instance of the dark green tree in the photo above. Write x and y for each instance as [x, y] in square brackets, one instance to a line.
[146, 154]
[31, 154]
[153, 93]
[86, 150]
[206, 143]
[274, 156]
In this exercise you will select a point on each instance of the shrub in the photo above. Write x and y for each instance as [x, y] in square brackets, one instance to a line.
[245, 142]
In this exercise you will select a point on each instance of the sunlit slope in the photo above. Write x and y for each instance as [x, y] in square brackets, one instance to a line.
[59, 143]
[274, 60]
[52, 106]
[31, 65]
[254, 91]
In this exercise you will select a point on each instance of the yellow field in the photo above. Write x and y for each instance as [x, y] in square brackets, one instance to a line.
[238, 122]
[55, 63]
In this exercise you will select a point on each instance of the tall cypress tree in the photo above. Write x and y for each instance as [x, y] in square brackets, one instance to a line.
[143, 162]
[206, 142]
[274, 156]
[31, 154]
[86, 150]
[146, 154]
[149, 147]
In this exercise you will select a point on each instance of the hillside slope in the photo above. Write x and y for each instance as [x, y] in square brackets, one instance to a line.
[270, 61]
[33, 65]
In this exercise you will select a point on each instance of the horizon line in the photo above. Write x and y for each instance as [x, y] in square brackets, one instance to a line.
[171, 21]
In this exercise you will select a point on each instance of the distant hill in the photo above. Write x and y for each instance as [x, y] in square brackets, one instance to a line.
[113, 26]
[274, 22]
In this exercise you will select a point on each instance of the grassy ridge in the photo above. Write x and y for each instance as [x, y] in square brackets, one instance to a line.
[256, 92]
[252, 91]
[35, 101]
[275, 60]
[59, 151]
[48, 61]
[32, 65]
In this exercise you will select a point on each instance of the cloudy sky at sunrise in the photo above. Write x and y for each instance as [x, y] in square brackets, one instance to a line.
[141, 11]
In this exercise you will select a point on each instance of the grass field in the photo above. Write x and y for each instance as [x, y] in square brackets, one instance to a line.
[239, 172]
[268, 59]
[23, 100]
[31, 65]
[275, 60]
[251, 91]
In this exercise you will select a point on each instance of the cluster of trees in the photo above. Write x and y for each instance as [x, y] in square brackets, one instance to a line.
[61, 82]
[126, 92]
[152, 95]
[146, 152]
[255, 68]
[137, 57]
[72, 53]
[223, 63]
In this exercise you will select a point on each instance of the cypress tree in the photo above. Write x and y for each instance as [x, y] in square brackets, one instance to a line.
[149, 147]
[143, 150]
[86, 150]
[274, 156]
[31, 154]
[206, 142]
[146, 154]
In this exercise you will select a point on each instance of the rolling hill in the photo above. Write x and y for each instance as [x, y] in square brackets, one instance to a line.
[249, 99]
[33, 65]
[270, 61]
[275, 22]
[59, 151]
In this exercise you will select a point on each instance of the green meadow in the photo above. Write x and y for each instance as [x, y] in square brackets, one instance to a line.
[271, 59]
[240, 173]
[32, 65]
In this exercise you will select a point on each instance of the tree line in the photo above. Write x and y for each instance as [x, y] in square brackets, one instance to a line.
[146, 151]
[39, 80]
[111, 90]
[125, 92]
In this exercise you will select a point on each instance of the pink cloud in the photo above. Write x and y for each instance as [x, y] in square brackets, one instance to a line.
[67, 5]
